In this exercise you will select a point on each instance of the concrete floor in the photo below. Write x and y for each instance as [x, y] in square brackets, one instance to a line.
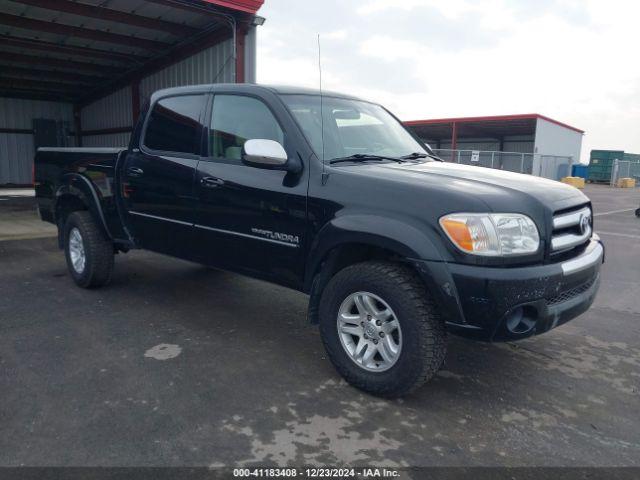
[18, 216]
[174, 364]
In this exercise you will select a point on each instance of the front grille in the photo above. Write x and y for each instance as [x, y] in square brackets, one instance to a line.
[571, 229]
[569, 294]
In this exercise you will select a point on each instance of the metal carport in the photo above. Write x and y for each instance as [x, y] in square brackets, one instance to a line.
[75, 73]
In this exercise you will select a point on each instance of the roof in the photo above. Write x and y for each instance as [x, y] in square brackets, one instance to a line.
[293, 90]
[247, 87]
[249, 6]
[487, 126]
[77, 50]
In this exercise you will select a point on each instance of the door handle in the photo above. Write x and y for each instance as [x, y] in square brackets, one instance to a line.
[134, 172]
[211, 182]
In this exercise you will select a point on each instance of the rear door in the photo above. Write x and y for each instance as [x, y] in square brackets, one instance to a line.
[158, 179]
[251, 220]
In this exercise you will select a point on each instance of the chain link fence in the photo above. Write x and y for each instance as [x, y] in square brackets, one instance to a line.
[548, 166]
[625, 169]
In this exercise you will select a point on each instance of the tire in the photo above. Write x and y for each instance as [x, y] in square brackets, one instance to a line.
[638, 212]
[420, 339]
[98, 251]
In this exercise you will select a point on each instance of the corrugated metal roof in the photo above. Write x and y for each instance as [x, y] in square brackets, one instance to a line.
[106, 40]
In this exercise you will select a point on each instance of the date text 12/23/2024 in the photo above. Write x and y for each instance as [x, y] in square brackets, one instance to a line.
[317, 472]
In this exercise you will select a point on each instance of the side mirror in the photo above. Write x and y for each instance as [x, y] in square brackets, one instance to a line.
[263, 153]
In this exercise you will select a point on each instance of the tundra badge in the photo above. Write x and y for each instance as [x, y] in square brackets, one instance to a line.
[281, 237]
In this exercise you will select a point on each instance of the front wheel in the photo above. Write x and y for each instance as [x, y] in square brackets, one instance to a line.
[380, 329]
[89, 254]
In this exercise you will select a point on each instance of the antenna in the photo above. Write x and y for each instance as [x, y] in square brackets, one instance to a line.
[324, 175]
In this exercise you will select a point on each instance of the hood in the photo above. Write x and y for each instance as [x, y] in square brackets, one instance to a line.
[480, 181]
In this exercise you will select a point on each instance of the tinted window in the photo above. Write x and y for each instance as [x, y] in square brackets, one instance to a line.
[173, 125]
[237, 119]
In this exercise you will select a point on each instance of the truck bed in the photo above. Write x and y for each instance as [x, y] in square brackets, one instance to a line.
[90, 170]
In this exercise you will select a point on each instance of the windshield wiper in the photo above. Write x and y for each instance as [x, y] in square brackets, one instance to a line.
[363, 157]
[417, 155]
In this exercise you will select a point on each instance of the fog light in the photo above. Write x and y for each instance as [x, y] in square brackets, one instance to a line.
[521, 320]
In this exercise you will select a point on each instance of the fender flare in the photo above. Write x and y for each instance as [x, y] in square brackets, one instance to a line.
[402, 237]
[78, 186]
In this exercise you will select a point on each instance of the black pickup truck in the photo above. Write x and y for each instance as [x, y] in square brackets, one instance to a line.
[330, 195]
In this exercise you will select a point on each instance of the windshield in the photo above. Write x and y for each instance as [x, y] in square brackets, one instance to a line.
[351, 127]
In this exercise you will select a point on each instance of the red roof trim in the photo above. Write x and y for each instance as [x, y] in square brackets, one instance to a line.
[249, 6]
[525, 116]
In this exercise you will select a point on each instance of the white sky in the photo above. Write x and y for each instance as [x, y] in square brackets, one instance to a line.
[577, 61]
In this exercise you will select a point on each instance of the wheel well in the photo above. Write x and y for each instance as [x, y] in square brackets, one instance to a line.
[348, 254]
[66, 205]
[337, 259]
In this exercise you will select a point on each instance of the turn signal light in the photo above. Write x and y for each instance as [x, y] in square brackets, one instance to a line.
[458, 232]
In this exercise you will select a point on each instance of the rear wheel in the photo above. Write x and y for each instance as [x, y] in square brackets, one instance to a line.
[88, 252]
[380, 329]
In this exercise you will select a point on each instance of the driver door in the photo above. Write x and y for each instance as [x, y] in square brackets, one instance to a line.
[251, 220]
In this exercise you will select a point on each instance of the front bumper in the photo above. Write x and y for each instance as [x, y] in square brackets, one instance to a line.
[500, 304]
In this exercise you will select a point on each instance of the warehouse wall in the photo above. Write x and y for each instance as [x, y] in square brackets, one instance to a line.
[111, 111]
[109, 140]
[554, 139]
[519, 143]
[17, 149]
[473, 144]
[213, 65]
[514, 143]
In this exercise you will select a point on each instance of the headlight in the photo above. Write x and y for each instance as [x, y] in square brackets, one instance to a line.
[492, 234]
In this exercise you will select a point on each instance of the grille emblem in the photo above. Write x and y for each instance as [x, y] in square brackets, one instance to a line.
[585, 223]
